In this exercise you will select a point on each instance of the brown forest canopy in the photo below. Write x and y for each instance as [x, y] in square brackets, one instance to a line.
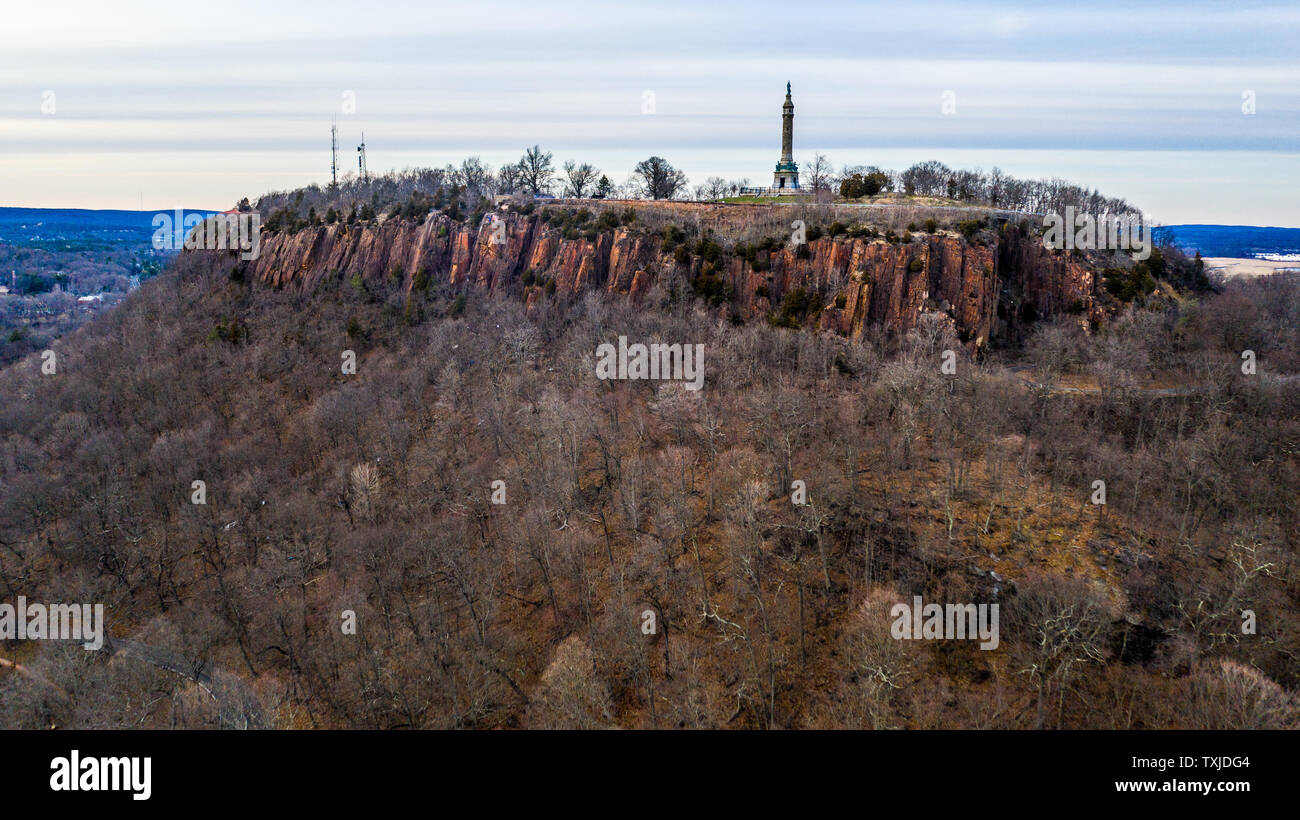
[372, 493]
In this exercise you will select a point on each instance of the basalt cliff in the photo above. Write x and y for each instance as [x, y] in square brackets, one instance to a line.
[988, 285]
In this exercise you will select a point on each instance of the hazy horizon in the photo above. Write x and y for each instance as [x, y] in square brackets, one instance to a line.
[153, 112]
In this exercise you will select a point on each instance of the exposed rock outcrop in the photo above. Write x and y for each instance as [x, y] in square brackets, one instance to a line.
[854, 282]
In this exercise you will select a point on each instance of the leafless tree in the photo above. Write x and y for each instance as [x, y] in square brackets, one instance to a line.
[820, 174]
[713, 188]
[659, 179]
[535, 170]
[579, 179]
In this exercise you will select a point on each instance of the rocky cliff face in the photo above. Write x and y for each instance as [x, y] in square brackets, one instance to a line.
[986, 289]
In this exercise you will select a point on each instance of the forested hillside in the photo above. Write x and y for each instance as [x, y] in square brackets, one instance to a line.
[329, 492]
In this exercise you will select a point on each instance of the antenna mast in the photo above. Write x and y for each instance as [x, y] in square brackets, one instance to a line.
[334, 155]
[361, 159]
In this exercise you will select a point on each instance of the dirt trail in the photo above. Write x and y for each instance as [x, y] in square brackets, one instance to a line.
[237, 706]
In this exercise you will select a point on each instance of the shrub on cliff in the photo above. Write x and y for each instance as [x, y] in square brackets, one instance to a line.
[1127, 285]
[711, 287]
[969, 227]
[793, 309]
[673, 235]
[709, 250]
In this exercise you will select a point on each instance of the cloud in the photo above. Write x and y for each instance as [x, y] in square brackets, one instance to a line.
[1010, 25]
[433, 84]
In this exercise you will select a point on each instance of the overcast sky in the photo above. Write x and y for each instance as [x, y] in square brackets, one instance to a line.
[127, 104]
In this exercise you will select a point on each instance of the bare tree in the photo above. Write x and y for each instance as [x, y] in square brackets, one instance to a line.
[579, 180]
[475, 176]
[571, 695]
[1232, 695]
[509, 179]
[659, 179]
[1064, 624]
[713, 188]
[536, 170]
[820, 174]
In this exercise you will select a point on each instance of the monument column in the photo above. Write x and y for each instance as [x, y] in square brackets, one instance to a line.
[787, 172]
[787, 127]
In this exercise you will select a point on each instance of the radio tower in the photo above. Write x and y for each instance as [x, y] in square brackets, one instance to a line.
[334, 155]
[361, 159]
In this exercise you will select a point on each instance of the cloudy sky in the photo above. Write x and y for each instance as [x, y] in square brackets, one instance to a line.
[130, 105]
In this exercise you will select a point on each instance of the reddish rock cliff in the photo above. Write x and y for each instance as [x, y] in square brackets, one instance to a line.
[880, 283]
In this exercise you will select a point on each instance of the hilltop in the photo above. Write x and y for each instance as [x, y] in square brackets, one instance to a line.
[856, 270]
[374, 491]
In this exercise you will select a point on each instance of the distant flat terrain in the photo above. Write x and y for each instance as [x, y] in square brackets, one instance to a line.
[1247, 267]
[51, 258]
[68, 228]
[1236, 241]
